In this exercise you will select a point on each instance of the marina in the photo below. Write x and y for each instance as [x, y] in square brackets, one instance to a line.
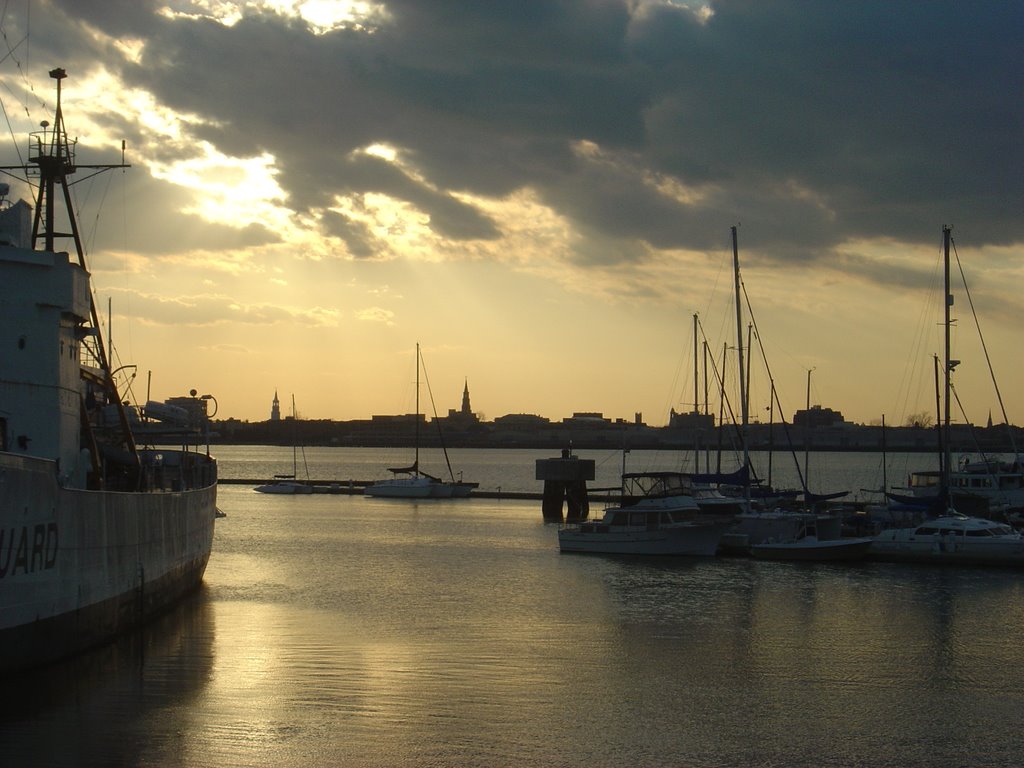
[348, 630]
[635, 550]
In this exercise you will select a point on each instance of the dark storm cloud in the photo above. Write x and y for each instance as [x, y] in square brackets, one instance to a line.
[813, 123]
[357, 237]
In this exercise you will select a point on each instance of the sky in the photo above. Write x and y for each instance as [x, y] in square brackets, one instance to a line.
[540, 194]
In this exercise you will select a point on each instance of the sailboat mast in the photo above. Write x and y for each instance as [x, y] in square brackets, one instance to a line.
[416, 462]
[807, 428]
[295, 440]
[745, 415]
[949, 366]
[696, 374]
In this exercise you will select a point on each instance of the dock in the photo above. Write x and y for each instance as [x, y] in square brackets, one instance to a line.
[356, 488]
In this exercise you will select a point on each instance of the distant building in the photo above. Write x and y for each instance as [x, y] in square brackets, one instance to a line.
[816, 416]
[522, 421]
[693, 420]
[463, 417]
[275, 408]
[587, 417]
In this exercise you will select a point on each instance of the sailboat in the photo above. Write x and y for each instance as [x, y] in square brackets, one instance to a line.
[950, 538]
[289, 484]
[413, 483]
[753, 526]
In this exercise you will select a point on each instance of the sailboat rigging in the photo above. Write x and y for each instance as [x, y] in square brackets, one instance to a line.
[952, 537]
[289, 484]
[411, 482]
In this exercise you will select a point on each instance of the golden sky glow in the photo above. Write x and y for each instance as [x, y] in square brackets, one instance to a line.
[317, 186]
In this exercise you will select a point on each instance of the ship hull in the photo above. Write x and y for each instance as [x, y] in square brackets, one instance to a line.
[78, 567]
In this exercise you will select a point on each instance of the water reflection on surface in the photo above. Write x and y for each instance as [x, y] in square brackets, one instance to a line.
[128, 703]
[338, 630]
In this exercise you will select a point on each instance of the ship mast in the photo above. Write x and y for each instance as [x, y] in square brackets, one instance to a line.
[51, 158]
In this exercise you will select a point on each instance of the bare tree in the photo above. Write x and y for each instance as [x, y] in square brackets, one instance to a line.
[922, 419]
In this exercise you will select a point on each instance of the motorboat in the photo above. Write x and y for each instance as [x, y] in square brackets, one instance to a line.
[750, 529]
[663, 520]
[986, 485]
[654, 529]
[952, 539]
[806, 546]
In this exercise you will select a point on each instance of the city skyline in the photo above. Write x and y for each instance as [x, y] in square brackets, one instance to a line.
[541, 194]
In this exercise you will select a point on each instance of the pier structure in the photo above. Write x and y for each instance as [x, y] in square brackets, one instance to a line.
[565, 484]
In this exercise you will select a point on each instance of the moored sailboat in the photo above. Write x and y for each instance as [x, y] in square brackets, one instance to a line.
[950, 537]
[413, 483]
[289, 485]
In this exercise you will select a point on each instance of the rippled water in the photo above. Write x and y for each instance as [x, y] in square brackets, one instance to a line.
[342, 630]
[514, 469]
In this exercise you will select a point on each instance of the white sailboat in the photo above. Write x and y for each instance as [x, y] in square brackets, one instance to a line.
[754, 526]
[950, 538]
[289, 485]
[413, 483]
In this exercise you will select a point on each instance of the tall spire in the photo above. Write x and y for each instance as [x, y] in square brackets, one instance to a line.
[275, 409]
[466, 410]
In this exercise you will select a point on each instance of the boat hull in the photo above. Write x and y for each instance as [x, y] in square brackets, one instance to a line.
[1008, 554]
[694, 540]
[284, 488]
[78, 567]
[401, 488]
[462, 490]
[833, 550]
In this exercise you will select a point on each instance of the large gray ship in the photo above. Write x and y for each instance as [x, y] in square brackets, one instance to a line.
[97, 532]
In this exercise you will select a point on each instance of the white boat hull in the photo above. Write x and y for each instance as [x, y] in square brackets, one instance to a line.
[948, 553]
[690, 539]
[401, 488]
[810, 549]
[284, 488]
[78, 567]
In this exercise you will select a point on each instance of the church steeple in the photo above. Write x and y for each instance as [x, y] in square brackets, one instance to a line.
[275, 409]
[466, 410]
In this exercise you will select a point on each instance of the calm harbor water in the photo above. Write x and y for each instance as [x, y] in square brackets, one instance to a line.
[338, 630]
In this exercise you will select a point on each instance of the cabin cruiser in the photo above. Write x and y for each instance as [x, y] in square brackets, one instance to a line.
[655, 517]
[952, 539]
[655, 529]
[986, 486]
[808, 546]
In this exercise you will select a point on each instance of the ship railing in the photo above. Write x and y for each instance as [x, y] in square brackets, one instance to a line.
[173, 470]
[49, 145]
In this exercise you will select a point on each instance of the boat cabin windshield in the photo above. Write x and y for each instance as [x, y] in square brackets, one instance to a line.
[648, 518]
[995, 529]
[656, 484]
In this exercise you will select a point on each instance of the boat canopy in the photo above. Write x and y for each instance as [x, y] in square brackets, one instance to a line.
[740, 477]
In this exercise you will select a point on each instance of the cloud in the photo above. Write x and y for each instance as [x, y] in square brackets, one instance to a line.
[376, 315]
[813, 125]
[213, 309]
